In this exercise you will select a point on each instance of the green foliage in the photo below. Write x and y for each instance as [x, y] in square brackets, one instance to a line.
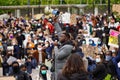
[45, 2]
[117, 15]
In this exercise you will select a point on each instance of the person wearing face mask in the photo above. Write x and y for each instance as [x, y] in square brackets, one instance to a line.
[44, 73]
[100, 71]
[49, 48]
[17, 73]
[108, 56]
[16, 50]
[23, 68]
[41, 53]
[99, 45]
[91, 42]
[5, 65]
[31, 63]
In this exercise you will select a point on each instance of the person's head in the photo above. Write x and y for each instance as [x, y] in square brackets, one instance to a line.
[47, 44]
[108, 56]
[23, 67]
[64, 37]
[99, 58]
[43, 69]
[15, 67]
[9, 53]
[14, 41]
[73, 65]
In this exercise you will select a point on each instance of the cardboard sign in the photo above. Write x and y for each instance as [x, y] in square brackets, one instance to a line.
[65, 17]
[73, 19]
[116, 8]
[7, 78]
[89, 50]
[113, 38]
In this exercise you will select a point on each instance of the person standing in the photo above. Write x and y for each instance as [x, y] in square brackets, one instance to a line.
[74, 69]
[63, 52]
[19, 75]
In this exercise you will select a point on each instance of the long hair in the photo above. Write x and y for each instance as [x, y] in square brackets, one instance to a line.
[73, 65]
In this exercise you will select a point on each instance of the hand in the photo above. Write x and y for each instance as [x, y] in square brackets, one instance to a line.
[29, 60]
[55, 43]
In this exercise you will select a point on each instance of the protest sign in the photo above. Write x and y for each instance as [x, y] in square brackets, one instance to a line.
[113, 38]
[65, 17]
[7, 78]
[95, 40]
[89, 50]
[73, 19]
[11, 60]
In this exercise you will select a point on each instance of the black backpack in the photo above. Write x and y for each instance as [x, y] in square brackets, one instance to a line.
[111, 68]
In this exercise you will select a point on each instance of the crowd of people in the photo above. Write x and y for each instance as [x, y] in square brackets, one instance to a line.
[25, 44]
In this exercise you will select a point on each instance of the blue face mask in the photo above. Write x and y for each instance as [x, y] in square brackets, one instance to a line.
[43, 72]
[98, 60]
[108, 58]
[84, 42]
[90, 42]
[99, 42]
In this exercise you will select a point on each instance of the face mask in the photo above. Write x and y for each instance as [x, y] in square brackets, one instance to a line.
[46, 45]
[107, 58]
[90, 42]
[16, 69]
[1, 47]
[99, 42]
[40, 34]
[39, 49]
[83, 42]
[11, 37]
[39, 24]
[78, 40]
[98, 60]
[35, 41]
[14, 43]
[0, 39]
[43, 72]
[113, 51]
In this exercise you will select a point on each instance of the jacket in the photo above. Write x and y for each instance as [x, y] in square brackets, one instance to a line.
[61, 56]
[75, 76]
[115, 62]
[20, 76]
[100, 72]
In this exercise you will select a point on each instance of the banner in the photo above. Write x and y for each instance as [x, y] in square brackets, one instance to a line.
[113, 38]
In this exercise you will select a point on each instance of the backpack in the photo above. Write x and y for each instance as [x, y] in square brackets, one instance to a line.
[111, 68]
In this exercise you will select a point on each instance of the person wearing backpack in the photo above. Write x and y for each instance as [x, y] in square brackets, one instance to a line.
[100, 72]
[111, 70]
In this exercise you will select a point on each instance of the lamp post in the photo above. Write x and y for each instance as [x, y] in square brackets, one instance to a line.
[109, 7]
[39, 5]
[28, 7]
[93, 6]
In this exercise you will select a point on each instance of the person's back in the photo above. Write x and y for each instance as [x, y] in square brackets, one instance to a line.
[73, 69]
[75, 76]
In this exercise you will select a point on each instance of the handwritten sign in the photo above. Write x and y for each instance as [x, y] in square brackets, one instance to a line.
[113, 38]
